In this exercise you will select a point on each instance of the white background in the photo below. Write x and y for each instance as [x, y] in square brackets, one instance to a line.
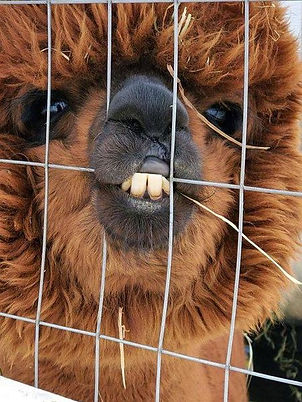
[295, 17]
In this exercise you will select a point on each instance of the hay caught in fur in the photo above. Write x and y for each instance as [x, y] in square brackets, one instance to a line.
[62, 53]
[184, 24]
[250, 363]
[205, 120]
[284, 272]
[122, 331]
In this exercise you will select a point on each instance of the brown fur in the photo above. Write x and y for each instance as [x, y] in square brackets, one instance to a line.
[204, 259]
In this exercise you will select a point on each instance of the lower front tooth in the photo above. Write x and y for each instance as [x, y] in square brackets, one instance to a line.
[138, 184]
[155, 186]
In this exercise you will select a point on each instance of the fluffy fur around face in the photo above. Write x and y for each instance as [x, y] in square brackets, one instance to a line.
[204, 258]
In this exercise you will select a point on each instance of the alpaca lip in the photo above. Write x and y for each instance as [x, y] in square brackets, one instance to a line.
[139, 223]
[143, 204]
[153, 164]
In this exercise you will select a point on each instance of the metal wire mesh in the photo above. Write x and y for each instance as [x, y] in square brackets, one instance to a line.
[159, 350]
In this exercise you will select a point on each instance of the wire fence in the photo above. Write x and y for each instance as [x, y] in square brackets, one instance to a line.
[241, 187]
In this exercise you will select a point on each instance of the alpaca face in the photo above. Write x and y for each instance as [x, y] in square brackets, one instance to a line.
[128, 144]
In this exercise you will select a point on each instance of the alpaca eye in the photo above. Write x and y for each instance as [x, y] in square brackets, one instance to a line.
[226, 116]
[35, 111]
[55, 108]
[217, 113]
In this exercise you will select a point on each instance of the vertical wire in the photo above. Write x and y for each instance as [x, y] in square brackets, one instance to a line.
[241, 199]
[104, 256]
[98, 326]
[109, 53]
[46, 190]
[171, 213]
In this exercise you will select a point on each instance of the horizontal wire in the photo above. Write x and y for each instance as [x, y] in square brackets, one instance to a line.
[175, 179]
[207, 183]
[273, 191]
[68, 329]
[266, 376]
[154, 349]
[17, 317]
[50, 165]
[237, 187]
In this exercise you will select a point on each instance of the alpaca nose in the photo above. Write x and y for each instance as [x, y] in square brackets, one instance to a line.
[136, 136]
[145, 105]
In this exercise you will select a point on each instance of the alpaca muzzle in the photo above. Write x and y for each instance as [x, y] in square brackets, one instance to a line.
[132, 157]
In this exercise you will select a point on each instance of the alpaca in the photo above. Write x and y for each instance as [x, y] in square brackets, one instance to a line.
[133, 141]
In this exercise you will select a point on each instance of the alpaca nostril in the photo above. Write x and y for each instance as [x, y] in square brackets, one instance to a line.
[152, 164]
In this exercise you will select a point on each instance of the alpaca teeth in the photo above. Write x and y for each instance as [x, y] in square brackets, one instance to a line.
[127, 184]
[138, 184]
[165, 185]
[155, 186]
